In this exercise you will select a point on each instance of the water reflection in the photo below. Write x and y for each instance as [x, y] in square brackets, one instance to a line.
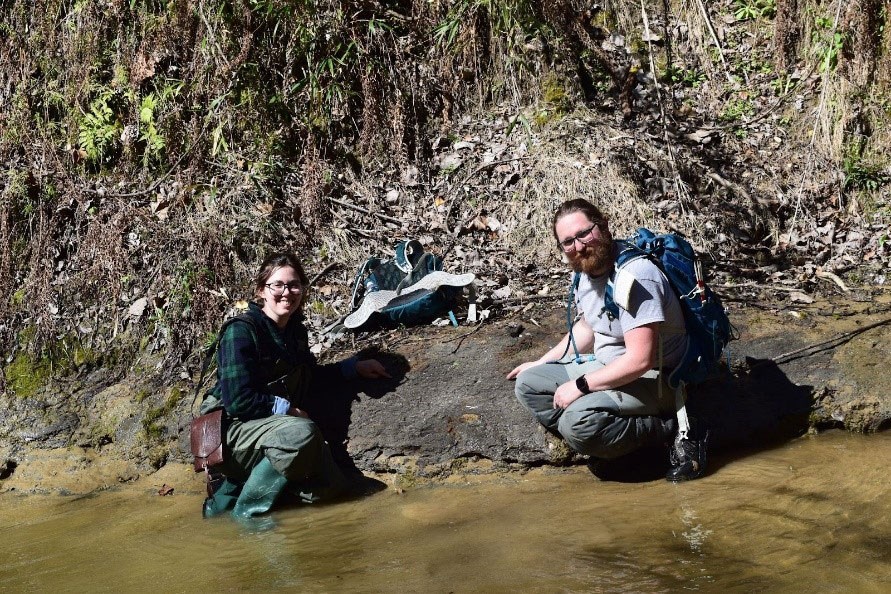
[809, 516]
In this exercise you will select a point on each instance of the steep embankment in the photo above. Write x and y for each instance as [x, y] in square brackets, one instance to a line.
[155, 151]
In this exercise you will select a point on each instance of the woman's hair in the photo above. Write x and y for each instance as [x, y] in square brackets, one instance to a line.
[277, 260]
[576, 205]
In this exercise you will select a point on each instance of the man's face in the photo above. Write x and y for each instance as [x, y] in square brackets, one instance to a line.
[587, 244]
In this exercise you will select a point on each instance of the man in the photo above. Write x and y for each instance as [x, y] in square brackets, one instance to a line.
[611, 403]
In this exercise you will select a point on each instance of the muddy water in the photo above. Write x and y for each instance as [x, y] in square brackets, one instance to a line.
[812, 515]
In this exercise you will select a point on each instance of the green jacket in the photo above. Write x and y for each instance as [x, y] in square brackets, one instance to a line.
[257, 361]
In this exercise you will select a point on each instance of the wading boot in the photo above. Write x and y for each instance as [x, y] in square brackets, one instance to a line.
[260, 490]
[687, 455]
[221, 495]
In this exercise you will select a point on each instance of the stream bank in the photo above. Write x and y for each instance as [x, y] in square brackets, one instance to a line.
[449, 411]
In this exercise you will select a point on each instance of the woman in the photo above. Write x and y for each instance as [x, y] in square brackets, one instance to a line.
[265, 374]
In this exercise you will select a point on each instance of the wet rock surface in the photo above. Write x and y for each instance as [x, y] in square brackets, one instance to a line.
[450, 409]
[792, 372]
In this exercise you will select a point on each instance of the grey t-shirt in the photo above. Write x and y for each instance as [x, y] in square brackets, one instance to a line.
[651, 299]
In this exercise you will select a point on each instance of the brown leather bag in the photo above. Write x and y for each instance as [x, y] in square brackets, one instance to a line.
[206, 436]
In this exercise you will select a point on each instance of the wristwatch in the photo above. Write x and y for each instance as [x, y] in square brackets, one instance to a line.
[582, 384]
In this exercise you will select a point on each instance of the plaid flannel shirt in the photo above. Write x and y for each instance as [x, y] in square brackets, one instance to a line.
[239, 384]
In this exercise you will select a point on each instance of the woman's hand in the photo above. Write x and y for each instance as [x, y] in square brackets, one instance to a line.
[371, 368]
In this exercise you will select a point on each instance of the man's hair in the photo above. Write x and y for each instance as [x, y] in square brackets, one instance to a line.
[277, 260]
[576, 205]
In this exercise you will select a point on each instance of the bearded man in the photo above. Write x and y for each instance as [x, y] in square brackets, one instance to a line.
[605, 397]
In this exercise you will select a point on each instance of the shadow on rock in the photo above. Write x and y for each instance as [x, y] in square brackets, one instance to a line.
[641, 466]
[331, 408]
[756, 409]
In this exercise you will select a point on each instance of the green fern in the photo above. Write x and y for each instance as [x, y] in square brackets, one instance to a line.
[99, 129]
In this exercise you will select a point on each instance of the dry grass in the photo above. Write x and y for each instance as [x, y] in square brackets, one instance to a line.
[255, 148]
[560, 171]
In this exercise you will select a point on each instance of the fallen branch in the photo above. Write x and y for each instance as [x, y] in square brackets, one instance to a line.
[361, 209]
[831, 276]
[524, 298]
[322, 273]
[760, 286]
[831, 343]
[491, 164]
[732, 186]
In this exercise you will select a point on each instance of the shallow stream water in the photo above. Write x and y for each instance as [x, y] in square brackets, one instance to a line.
[813, 515]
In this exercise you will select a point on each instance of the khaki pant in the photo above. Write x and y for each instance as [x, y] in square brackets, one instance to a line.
[605, 424]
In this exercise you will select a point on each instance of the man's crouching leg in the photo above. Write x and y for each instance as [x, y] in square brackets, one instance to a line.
[535, 390]
[604, 433]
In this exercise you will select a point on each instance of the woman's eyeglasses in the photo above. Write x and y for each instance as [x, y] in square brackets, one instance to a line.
[278, 288]
[584, 237]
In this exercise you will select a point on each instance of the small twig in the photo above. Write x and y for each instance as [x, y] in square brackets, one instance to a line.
[491, 164]
[156, 183]
[323, 272]
[461, 338]
[213, 40]
[732, 186]
[524, 298]
[351, 228]
[454, 240]
[810, 164]
[680, 190]
[831, 343]
[711, 30]
[457, 232]
[169, 172]
[831, 276]
[364, 210]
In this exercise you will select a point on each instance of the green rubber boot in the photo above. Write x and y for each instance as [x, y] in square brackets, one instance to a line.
[260, 490]
[222, 500]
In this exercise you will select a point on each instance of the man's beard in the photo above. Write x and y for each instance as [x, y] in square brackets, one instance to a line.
[595, 259]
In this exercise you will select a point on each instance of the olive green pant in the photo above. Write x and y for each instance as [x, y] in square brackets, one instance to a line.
[295, 448]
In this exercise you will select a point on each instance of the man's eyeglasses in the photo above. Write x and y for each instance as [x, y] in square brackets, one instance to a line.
[278, 288]
[584, 237]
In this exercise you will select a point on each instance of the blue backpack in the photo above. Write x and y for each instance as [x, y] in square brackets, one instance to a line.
[708, 327]
[410, 288]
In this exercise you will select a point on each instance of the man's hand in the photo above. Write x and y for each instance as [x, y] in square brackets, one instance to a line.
[566, 394]
[371, 368]
[521, 368]
[296, 412]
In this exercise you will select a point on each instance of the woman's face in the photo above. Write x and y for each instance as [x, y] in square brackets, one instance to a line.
[282, 295]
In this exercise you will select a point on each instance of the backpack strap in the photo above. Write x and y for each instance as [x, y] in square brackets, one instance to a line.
[570, 300]
[408, 254]
[370, 264]
[621, 281]
[424, 264]
[212, 350]
[628, 252]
